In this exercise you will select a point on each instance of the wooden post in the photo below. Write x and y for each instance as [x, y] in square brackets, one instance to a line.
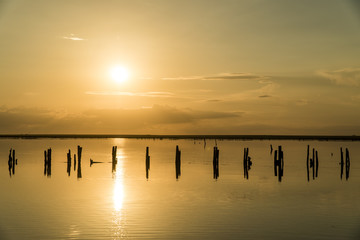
[147, 162]
[79, 174]
[74, 161]
[178, 162]
[307, 163]
[341, 163]
[317, 165]
[68, 162]
[347, 164]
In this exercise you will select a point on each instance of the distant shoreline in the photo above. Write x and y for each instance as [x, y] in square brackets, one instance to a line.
[175, 137]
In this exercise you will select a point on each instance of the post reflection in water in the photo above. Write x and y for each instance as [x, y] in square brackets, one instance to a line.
[118, 196]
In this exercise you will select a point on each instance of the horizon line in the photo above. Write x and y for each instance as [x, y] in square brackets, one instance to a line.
[191, 136]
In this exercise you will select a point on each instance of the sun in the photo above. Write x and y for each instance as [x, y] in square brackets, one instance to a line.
[119, 74]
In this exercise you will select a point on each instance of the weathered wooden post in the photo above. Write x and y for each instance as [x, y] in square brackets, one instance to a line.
[49, 162]
[147, 162]
[275, 162]
[68, 162]
[341, 163]
[74, 161]
[216, 163]
[307, 163]
[114, 159]
[347, 165]
[45, 163]
[178, 162]
[10, 163]
[316, 164]
[247, 163]
[79, 174]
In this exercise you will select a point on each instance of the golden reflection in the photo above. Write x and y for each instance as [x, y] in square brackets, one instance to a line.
[118, 196]
[119, 221]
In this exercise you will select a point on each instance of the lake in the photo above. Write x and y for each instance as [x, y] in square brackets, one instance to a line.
[190, 198]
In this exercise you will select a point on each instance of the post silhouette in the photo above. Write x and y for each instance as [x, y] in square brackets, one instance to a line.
[114, 159]
[74, 162]
[177, 162]
[341, 163]
[307, 163]
[216, 163]
[246, 163]
[68, 163]
[12, 162]
[312, 163]
[279, 163]
[147, 162]
[347, 164]
[79, 151]
[47, 162]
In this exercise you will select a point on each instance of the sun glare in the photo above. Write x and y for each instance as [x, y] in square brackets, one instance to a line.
[119, 74]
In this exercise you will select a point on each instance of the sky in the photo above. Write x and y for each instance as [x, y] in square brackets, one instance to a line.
[194, 67]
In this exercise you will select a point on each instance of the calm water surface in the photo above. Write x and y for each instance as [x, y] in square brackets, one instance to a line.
[121, 204]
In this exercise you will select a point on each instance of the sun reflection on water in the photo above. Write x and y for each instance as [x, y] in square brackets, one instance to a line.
[119, 192]
[119, 222]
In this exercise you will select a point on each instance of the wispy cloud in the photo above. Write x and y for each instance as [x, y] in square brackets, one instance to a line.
[346, 76]
[73, 38]
[220, 77]
[133, 94]
[156, 119]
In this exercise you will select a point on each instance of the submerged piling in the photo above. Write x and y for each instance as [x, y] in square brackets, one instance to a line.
[279, 163]
[147, 162]
[114, 159]
[341, 163]
[216, 163]
[347, 164]
[246, 163]
[79, 151]
[47, 162]
[312, 164]
[177, 162]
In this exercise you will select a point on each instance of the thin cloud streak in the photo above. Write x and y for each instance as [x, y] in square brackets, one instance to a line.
[219, 77]
[133, 94]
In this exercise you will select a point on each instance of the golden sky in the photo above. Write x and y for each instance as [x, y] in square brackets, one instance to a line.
[195, 67]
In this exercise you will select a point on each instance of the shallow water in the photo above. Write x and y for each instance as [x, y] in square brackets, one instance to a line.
[106, 204]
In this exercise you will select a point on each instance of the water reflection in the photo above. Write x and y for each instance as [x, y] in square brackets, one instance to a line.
[347, 163]
[118, 175]
[118, 222]
[177, 162]
[279, 163]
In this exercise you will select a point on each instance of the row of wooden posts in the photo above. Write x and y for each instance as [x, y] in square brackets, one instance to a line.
[312, 162]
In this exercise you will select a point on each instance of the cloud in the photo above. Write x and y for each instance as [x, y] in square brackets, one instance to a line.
[347, 76]
[220, 77]
[264, 96]
[156, 120]
[73, 38]
[133, 94]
